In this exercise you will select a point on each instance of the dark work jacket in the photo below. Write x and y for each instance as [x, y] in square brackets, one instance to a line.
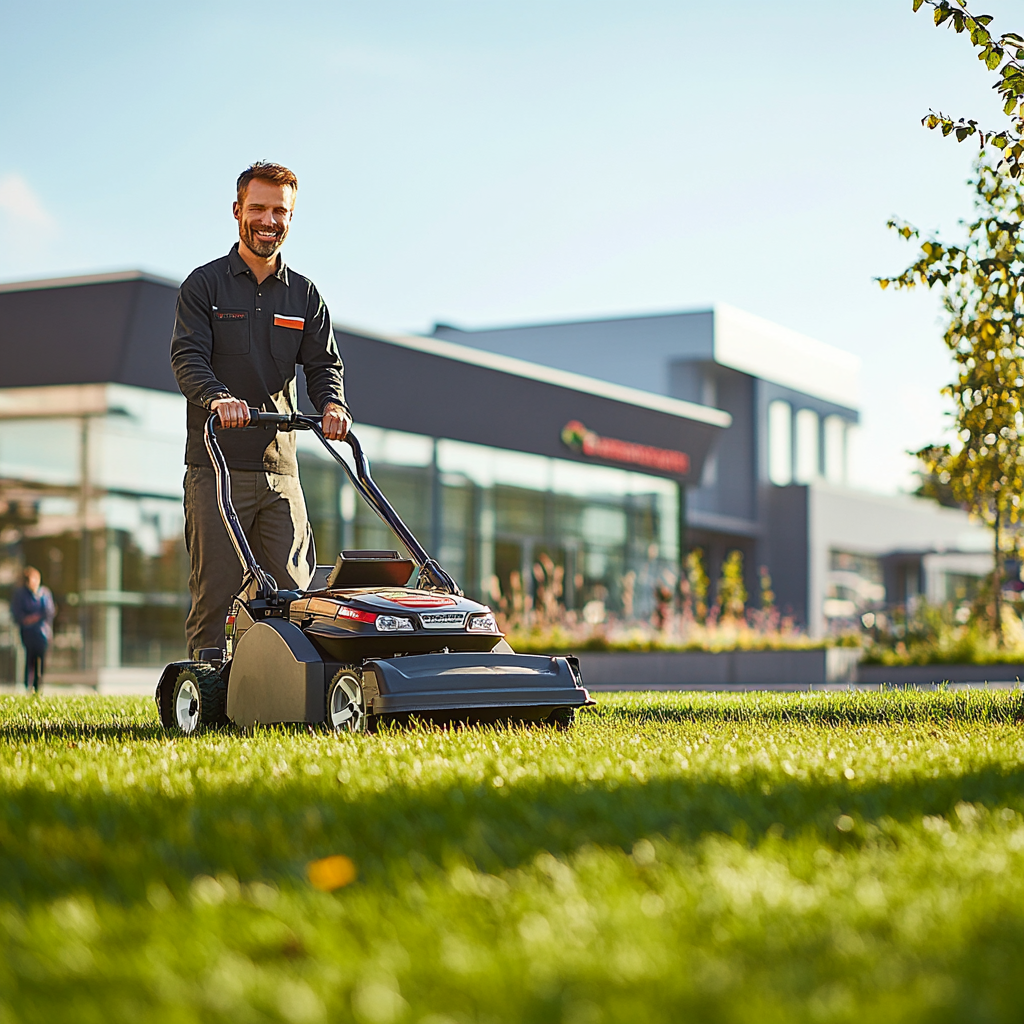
[24, 604]
[235, 337]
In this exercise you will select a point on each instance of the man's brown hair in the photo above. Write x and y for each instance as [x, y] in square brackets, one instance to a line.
[276, 174]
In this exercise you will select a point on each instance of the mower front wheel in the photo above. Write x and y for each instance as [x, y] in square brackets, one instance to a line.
[562, 718]
[346, 705]
[197, 697]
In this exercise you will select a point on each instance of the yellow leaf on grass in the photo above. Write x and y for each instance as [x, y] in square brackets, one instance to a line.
[330, 873]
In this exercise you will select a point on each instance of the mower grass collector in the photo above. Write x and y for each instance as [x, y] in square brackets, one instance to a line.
[361, 646]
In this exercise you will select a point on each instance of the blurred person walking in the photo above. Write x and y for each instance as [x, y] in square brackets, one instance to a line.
[32, 608]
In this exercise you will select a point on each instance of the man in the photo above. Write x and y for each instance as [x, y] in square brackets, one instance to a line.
[32, 608]
[241, 325]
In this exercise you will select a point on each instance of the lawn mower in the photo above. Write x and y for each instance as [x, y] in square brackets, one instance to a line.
[360, 647]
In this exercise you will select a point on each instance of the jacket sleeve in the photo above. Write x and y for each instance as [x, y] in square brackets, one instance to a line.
[192, 344]
[319, 356]
[18, 606]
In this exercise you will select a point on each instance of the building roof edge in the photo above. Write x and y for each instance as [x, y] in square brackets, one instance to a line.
[578, 321]
[114, 277]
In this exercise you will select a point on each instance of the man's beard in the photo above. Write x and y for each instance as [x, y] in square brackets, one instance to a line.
[263, 249]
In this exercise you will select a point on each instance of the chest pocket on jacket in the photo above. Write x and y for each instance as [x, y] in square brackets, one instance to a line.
[230, 332]
[286, 336]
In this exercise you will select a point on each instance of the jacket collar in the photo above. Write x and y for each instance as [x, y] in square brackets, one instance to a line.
[238, 265]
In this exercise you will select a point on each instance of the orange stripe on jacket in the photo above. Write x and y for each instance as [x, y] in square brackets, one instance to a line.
[295, 322]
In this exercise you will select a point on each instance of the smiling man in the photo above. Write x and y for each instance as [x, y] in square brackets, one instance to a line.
[242, 324]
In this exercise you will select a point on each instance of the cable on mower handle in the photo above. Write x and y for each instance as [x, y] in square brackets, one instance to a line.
[432, 575]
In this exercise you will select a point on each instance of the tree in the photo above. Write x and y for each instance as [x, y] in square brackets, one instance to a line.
[982, 287]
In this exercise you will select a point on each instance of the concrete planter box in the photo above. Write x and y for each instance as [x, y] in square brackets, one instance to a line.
[700, 670]
[924, 675]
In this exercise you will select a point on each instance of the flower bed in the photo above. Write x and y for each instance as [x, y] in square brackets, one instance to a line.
[635, 638]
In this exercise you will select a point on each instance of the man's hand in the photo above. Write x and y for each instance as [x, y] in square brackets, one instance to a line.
[233, 412]
[336, 422]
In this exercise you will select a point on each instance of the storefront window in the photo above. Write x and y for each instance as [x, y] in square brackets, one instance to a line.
[94, 502]
[93, 499]
[854, 585]
[496, 518]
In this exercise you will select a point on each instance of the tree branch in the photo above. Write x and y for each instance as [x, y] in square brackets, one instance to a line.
[1004, 54]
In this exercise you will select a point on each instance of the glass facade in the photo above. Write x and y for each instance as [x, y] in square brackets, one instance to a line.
[495, 516]
[91, 495]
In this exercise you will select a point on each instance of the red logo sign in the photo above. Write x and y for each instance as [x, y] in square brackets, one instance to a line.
[576, 436]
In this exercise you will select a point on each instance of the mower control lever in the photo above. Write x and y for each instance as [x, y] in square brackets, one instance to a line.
[280, 419]
[432, 575]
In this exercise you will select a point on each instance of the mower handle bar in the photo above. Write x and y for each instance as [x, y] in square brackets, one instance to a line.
[432, 575]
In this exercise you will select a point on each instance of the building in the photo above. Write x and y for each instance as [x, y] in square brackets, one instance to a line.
[506, 467]
[776, 486]
[523, 474]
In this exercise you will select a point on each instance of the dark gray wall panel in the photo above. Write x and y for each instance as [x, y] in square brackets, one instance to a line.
[146, 358]
[634, 351]
[405, 389]
[732, 491]
[115, 332]
[788, 548]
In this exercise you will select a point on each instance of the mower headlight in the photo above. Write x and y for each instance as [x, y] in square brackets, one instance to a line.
[394, 624]
[484, 623]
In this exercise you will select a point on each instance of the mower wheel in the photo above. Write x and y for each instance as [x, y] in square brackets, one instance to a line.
[562, 718]
[197, 698]
[346, 705]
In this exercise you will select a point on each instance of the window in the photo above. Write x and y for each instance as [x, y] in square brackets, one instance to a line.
[807, 465]
[780, 443]
[506, 514]
[835, 449]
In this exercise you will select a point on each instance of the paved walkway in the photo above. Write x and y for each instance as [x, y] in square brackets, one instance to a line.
[141, 690]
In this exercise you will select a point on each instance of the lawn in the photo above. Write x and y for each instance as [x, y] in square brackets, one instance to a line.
[675, 857]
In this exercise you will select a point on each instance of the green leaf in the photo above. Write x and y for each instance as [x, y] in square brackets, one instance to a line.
[917, 5]
[995, 58]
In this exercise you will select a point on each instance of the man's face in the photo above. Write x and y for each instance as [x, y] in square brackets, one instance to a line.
[264, 216]
[32, 580]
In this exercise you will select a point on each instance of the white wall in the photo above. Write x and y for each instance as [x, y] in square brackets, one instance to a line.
[857, 521]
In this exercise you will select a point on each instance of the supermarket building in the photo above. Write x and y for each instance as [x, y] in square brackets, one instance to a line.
[711, 429]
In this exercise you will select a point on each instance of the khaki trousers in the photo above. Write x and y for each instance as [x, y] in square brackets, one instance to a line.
[272, 512]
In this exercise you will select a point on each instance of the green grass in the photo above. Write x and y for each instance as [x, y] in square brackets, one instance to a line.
[677, 857]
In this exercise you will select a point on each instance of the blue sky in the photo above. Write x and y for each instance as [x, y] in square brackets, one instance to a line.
[495, 162]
